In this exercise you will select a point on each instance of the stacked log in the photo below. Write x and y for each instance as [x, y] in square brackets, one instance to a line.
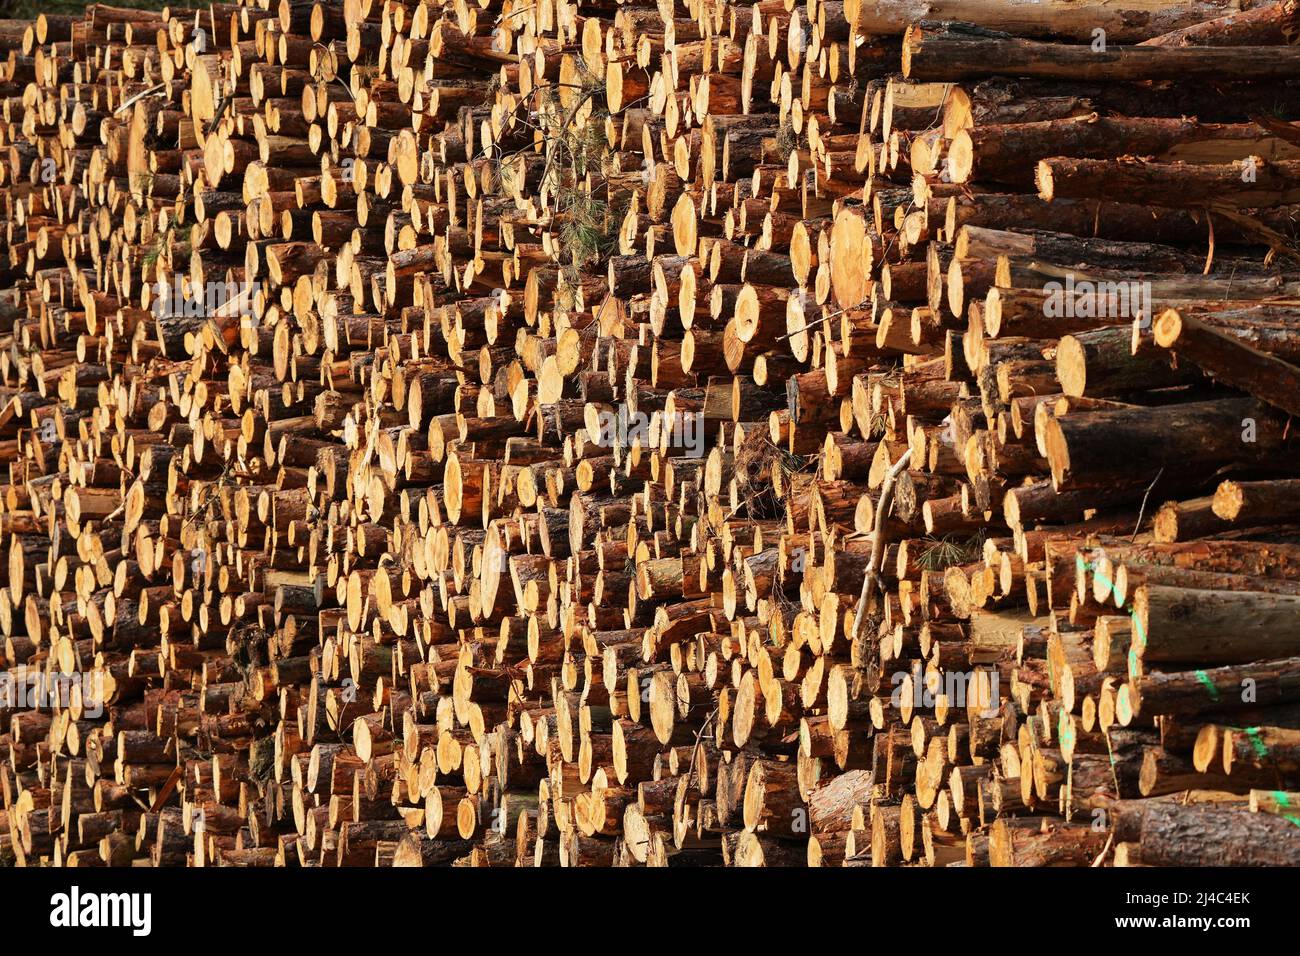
[668, 434]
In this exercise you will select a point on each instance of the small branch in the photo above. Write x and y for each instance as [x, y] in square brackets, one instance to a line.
[1101, 857]
[582, 101]
[346, 89]
[139, 96]
[878, 539]
[822, 321]
[226, 101]
[1143, 510]
[698, 737]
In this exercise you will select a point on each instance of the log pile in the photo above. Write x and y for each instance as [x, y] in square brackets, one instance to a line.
[681, 433]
